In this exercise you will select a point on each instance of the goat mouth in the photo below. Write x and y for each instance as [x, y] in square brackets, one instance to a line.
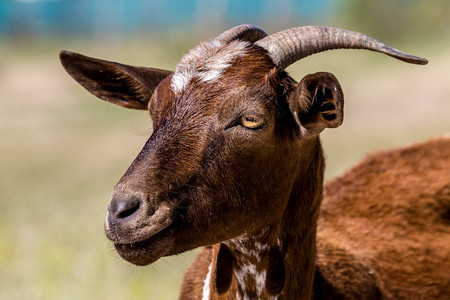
[146, 251]
[149, 250]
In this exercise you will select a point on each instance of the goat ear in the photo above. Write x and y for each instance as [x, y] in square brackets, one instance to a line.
[123, 85]
[317, 103]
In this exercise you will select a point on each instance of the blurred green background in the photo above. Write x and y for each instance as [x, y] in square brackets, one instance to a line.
[62, 150]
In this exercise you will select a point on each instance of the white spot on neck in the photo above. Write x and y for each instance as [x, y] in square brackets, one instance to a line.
[249, 266]
[206, 284]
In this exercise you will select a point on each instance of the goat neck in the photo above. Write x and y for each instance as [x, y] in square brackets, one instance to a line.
[277, 261]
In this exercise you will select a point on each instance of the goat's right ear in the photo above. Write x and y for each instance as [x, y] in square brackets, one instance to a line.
[123, 85]
[317, 103]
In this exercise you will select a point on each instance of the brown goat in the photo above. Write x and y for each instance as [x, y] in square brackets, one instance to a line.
[235, 161]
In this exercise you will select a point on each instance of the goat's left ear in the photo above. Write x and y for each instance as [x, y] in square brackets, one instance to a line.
[317, 103]
[123, 85]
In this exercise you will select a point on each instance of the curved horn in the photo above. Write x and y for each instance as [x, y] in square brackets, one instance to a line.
[246, 32]
[288, 46]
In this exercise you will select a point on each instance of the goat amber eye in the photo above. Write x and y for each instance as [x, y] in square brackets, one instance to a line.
[252, 121]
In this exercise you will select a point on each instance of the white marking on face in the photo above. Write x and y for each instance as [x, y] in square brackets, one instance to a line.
[206, 284]
[207, 62]
[180, 80]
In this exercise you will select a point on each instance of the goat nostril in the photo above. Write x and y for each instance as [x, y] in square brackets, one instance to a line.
[128, 211]
[121, 208]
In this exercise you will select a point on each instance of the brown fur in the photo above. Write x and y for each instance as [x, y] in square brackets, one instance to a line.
[391, 212]
[205, 177]
[383, 230]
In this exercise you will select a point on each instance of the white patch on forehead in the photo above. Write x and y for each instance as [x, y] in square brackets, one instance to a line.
[206, 288]
[207, 62]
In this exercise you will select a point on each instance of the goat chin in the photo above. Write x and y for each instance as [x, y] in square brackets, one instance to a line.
[148, 251]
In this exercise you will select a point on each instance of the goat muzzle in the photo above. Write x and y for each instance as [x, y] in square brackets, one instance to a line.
[130, 219]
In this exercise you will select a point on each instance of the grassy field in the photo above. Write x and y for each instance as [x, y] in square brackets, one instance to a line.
[62, 151]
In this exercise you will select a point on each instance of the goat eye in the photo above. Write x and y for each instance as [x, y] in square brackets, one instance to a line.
[252, 121]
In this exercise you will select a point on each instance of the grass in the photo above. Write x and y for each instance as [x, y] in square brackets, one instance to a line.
[62, 151]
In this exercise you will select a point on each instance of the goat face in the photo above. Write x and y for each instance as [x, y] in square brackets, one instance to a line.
[225, 149]
[232, 135]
